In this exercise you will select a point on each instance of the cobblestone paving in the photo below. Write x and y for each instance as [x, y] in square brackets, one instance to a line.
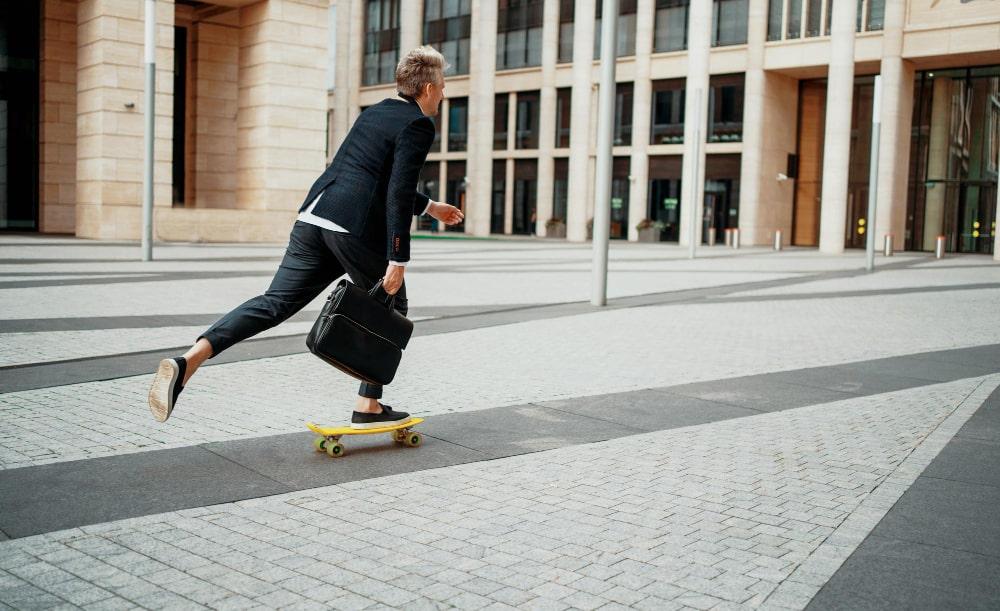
[755, 512]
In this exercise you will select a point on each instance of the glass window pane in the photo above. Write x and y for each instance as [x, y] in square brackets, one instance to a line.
[534, 47]
[729, 22]
[794, 19]
[565, 42]
[876, 14]
[774, 19]
[626, 35]
[815, 14]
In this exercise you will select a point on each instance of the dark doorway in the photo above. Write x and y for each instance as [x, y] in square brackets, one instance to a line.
[19, 38]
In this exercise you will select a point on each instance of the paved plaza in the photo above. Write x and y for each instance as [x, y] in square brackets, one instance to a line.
[749, 429]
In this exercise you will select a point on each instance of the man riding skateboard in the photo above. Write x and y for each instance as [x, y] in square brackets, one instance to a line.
[355, 220]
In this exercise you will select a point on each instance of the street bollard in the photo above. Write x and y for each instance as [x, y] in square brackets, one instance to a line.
[729, 237]
[777, 239]
[939, 248]
[711, 236]
[736, 238]
[887, 248]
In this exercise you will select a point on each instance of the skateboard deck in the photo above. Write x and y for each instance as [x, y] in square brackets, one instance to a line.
[329, 436]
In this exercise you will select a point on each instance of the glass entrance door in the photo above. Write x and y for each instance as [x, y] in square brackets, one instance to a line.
[19, 30]
[956, 152]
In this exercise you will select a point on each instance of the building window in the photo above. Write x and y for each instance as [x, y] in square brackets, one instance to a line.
[499, 201]
[566, 12]
[670, 32]
[526, 136]
[626, 29]
[525, 196]
[519, 33]
[429, 186]
[668, 112]
[381, 41]
[458, 124]
[500, 122]
[564, 98]
[447, 25]
[664, 206]
[729, 22]
[876, 15]
[560, 190]
[619, 197]
[804, 18]
[455, 191]
[725, 108]
[623, 115]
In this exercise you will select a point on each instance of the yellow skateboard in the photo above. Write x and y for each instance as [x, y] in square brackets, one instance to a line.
[329, 440]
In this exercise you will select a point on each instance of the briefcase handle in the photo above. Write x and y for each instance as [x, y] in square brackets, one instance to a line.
[389, 301]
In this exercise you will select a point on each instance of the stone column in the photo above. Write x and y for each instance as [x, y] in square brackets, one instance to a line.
[897, 116]
[57, 124]
[699, 44]
[482, 68]
[282, 102]
[752, 225]
[547, 114]
[837, 147]
[937, 161]
[580, 178]
[343, 78]
[641, 108]
[109, 152]
[411, 25]
[355, 57]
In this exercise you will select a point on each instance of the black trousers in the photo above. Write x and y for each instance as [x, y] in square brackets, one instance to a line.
[314, 259]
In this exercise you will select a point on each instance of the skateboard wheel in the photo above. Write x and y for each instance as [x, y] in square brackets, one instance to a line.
[320, 444]
[399, 436]
[413, 439]
[335, 450]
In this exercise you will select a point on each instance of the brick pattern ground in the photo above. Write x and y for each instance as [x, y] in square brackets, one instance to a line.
[729, 515]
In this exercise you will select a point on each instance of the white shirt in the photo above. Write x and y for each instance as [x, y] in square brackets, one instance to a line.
[307, 216]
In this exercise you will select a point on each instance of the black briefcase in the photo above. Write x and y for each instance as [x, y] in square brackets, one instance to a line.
[360, 333]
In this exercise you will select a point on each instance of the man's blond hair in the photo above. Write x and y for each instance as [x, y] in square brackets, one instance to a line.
[420, 66]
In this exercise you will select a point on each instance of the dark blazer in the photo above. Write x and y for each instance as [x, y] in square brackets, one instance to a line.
[370, 188]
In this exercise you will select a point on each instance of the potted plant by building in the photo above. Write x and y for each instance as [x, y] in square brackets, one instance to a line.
[555, 228]
[650, 230]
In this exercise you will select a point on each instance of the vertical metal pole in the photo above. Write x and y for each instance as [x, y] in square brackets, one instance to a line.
[696, 174]
[873, 174]
[605, 133]
[150, 109]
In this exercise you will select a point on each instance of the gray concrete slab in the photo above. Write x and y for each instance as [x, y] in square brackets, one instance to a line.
[892, 574]
[286, 459]
[765, 393]
[509, 431]
[968, 460]
[64, 495]
[985, 423]
[853, 380]
[922, 369]
[939, 512]
[980, 356]
[650, 410]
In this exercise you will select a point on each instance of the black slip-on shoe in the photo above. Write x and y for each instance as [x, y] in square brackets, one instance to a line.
[387, 417]
[167, 386]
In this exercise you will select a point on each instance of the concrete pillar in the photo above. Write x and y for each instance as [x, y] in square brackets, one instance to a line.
[355, 57]
[580, 177]
[109, 152]
[752, 178]
[837, 147]
[57, 124]
[508, 188]
[547, 110]
[482, 63]
[282, 102]
[411, 25]
[642, 99]
[897, 116]
[699, 44]
[937, 161]
[343, 76]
